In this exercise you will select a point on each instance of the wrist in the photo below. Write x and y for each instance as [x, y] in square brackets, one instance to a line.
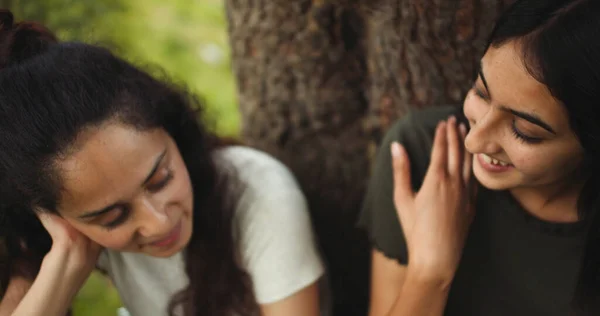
[54, 262]
[439, 279]
[55, 271]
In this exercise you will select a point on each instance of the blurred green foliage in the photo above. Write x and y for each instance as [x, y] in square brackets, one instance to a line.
[185, 39]
[97, 298]
[70, 19]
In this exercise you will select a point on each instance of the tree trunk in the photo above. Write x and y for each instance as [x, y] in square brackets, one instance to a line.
[319, 82]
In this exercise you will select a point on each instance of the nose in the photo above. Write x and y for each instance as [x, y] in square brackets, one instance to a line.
[153, 219]
[483, 136]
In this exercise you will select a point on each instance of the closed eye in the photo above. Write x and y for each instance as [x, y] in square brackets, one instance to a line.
[522, 136]
[480, 94]
[167, 176]
[116, 217]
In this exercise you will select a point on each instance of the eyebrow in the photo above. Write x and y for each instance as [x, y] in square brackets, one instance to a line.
[480, 72]
[111, 207]
[530, 117]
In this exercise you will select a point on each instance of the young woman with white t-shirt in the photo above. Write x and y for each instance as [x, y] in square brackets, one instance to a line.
[103, 166]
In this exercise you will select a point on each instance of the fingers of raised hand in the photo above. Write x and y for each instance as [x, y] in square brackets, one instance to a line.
[62, 233]
[53, 224]
[449, 156]
[401, 170]
[455, 148]
[439, 152]
[467, 157]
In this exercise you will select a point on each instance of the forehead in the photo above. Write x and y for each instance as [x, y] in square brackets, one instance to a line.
[512, 86]
[109, 162]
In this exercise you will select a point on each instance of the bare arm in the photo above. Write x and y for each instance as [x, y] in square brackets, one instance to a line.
[62, 273]
[16, 290]
[51, 293]
[387, 279]
[420, 296]
[397, 290]
[302, 303]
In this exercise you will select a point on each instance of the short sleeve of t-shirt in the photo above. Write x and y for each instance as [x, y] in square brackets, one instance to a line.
[378, 215]
[278, 248]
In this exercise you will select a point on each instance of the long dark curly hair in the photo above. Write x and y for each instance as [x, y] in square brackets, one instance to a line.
[49, 92]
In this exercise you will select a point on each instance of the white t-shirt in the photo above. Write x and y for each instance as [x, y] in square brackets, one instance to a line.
[277, 245]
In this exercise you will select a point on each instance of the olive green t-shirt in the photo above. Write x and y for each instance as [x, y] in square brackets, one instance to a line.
[513, 263]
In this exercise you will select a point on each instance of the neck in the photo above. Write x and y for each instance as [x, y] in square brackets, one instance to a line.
[554, 203]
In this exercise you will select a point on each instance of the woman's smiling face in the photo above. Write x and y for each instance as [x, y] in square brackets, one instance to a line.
[520, 134]
[128, 190]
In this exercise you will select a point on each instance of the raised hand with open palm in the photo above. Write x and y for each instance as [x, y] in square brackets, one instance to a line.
[436, 219]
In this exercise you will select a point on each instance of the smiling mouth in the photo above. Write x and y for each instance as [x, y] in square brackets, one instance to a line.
[170, 239]
[494, 161]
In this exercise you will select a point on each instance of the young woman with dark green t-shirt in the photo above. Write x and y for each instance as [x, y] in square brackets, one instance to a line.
[507, 223]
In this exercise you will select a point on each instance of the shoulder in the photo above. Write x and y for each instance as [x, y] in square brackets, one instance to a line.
[250, 163]
[260, 180]
[276, 241]
[378, 217]
[415, 131]
[418, 124]
[266, 190]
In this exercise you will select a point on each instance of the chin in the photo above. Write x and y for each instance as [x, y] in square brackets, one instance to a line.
[498, 183]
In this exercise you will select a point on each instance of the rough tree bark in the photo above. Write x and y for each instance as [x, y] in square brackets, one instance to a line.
[320, 81]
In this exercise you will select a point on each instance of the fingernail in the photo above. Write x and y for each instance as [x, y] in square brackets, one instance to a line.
[396, 150]
[463, 128]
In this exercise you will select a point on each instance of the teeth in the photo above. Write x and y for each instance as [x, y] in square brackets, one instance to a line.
[493, 161]
[487, 158]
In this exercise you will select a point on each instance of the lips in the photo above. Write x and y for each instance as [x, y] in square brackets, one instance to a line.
[494, 161]
[493, 165]
[170, 239]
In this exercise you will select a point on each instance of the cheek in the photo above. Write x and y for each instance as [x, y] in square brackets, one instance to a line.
[117, 238]
[525, 161]
[181, 189]
[181, 192]
[537, 162]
